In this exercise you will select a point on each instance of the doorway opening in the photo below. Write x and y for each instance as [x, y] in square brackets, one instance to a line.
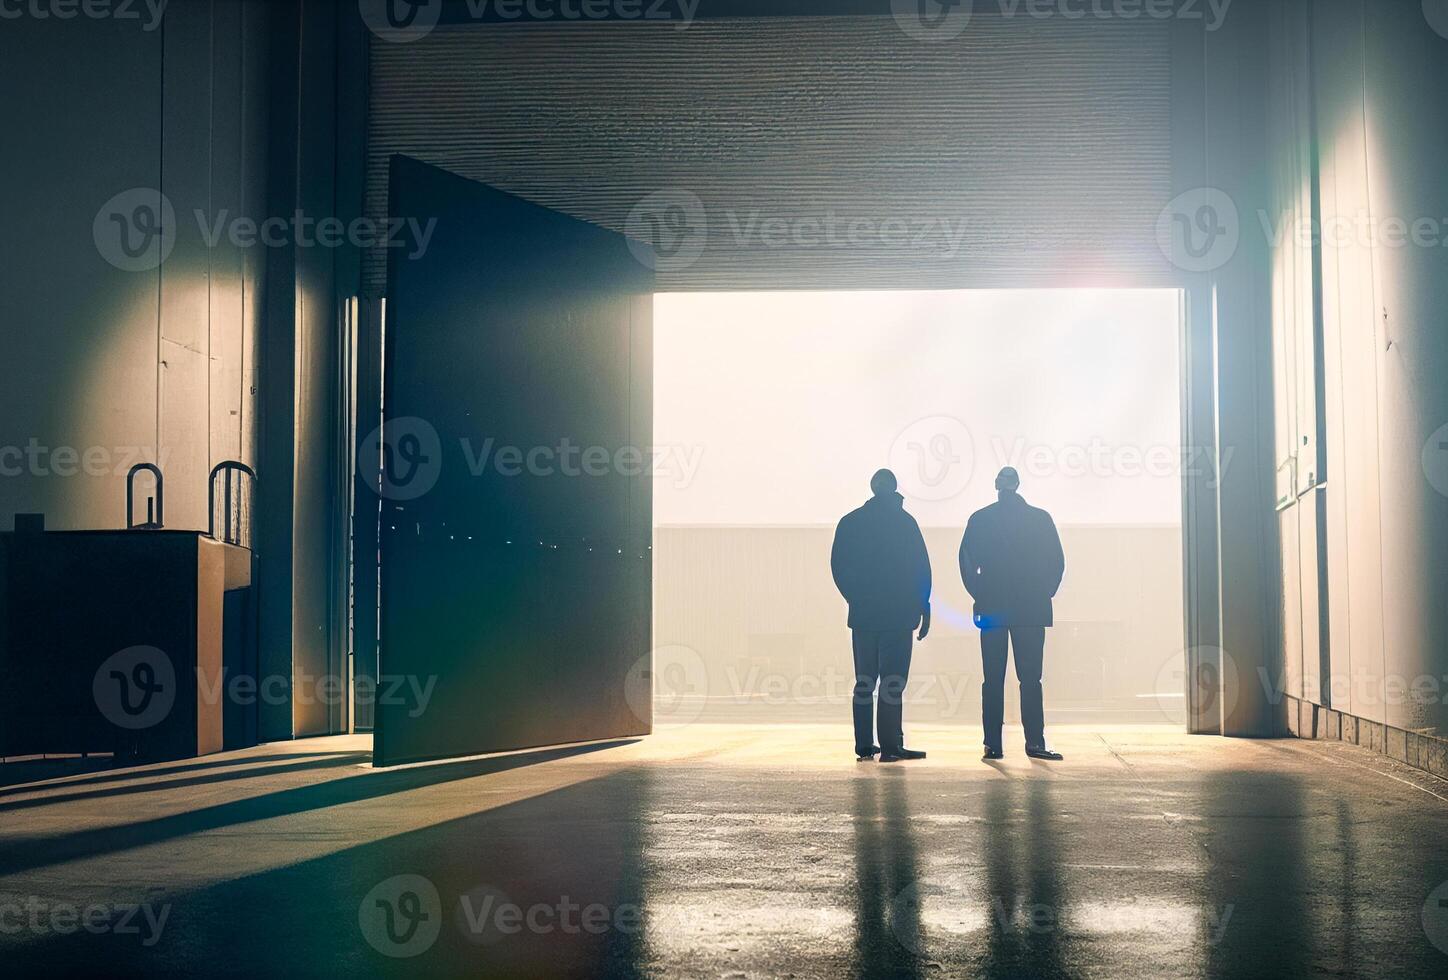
[772, 410]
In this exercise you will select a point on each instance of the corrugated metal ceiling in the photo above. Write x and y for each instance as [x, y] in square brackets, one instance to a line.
[822, 152]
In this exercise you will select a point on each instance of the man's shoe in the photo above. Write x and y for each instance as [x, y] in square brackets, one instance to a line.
[1041, 752]
[867, 756]
[900, 755]
[991, 753]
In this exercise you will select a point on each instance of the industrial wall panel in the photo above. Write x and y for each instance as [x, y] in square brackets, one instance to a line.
[1238, 128]
[1354, 545]
[252, 101]
[1294, 653]
[1405, 147]
[140, 362]
[186, 160]
[316, 572]
[80, 332]
[1308, 569]
[1384, 514]
[228, 259]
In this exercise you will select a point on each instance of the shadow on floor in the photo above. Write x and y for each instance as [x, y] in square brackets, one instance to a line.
[552, 886]
[45, 851]
[674, 870]
[35, 770]
[887, 903]
[22, 780]
[154, 782]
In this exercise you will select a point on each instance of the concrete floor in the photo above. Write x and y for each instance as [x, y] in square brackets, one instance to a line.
[738, 851]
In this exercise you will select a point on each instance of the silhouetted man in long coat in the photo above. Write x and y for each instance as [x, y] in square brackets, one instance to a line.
[882, 569]
[1012, 564]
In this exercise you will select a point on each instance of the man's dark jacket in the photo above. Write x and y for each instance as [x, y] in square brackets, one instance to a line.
[881, 566]
[1012, 563]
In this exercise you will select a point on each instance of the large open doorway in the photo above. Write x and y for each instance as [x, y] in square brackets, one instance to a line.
[517, 583]
[773, 409]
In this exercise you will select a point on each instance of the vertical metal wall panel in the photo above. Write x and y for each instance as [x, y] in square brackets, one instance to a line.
[277, 382]
[1351, 353]
[1027, 151]
[79, 334]
[185, 350]
[166, 363]
[1289, 533]
[302, 517]
[228, 263]
[253, 104]
[1247, 529]
[1201, 580]
[1404, 58]
[316, 517]
[1381, 524]
[1309, 663]
[1338, 100]
[139, 364]
[1290, 255]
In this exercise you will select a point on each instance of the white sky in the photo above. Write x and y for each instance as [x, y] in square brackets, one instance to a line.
[783, 403]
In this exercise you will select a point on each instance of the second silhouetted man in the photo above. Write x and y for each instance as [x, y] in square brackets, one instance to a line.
[882, 569]
[1012, 564]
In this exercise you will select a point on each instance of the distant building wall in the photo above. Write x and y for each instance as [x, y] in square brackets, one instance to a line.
[760, 608]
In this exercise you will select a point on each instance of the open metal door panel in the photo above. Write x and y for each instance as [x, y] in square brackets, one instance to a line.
[517, 515]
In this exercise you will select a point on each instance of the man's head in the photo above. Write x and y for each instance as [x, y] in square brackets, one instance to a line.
[1008, 479]
[882, 483]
